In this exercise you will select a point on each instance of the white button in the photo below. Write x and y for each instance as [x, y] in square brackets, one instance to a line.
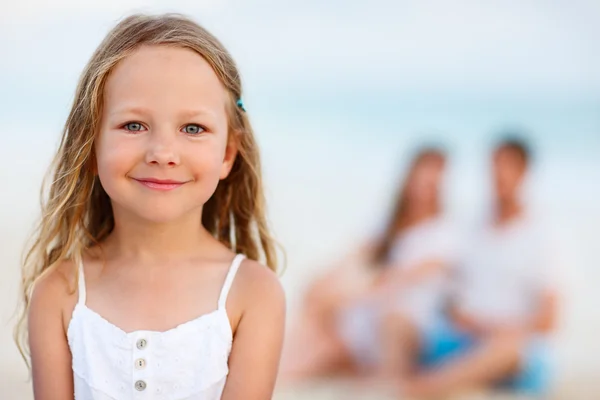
[141, 344]
[140, 363]
[140, 386]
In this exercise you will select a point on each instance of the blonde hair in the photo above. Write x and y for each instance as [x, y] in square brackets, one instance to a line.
[77, 212]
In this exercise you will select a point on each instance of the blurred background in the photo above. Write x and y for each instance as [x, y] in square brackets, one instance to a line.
[341, 94]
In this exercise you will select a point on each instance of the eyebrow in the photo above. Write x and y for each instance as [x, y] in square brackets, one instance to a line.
[200, 112]
[130, 110]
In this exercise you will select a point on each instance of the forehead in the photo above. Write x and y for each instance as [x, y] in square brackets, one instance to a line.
[509, 157]
[432, 161]
[507, 153]
[163, 77]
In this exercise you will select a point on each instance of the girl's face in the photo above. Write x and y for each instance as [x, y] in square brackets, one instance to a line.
[163, 141]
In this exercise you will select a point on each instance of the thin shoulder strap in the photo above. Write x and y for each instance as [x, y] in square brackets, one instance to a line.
[81, 284]
[235, 264]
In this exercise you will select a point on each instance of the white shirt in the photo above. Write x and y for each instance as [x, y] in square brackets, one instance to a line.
[188, 362]
[435, 240]
[504, 272]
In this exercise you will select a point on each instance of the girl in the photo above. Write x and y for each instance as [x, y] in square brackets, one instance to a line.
[402, 272]
[137, 285]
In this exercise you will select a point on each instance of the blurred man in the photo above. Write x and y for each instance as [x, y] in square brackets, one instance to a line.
[504, 303]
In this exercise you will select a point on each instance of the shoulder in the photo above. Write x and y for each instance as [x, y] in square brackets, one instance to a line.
[258, 281]
[54, 292]
[258, 287]
[55, 284]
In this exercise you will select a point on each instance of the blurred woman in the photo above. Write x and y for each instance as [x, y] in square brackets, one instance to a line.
[403, 271]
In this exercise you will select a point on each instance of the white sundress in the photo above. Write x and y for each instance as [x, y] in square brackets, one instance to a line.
[188, 362]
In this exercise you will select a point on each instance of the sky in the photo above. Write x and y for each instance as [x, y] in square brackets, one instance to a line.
[459, 48]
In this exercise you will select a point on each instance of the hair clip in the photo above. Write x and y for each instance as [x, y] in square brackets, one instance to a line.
[240, 104]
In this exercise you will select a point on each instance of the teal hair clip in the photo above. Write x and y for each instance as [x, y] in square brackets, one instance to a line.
[240, 104]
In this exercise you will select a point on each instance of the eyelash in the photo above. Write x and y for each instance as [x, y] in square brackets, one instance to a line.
[142, 128]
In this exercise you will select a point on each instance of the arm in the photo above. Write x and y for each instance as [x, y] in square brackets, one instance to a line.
[545, 319]
[394, 278]
[50, 354]
[258, 339]
[542, 322]
[410, 276]
[547, 281]
[466, 323]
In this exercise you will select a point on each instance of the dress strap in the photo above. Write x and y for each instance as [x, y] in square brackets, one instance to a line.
[81, 284]
[235, 264]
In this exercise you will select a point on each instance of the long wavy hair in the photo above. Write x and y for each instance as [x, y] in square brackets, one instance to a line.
[400, 216]
[77, 212]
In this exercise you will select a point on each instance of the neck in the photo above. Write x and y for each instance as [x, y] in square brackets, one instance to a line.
[144, 240]
[507, 210]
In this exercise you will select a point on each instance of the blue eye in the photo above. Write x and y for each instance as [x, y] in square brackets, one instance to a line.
[133, 126]
[193, 129]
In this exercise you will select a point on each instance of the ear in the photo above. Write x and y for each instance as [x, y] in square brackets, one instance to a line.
[231, 152]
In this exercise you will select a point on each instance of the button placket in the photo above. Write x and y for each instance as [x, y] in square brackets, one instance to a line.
[139, 363]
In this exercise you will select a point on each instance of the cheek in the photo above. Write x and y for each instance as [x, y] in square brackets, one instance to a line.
[425, 184]
[504, 183]
[113, 161]
[206, 163]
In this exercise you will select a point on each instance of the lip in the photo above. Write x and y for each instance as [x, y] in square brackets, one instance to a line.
[160, 184]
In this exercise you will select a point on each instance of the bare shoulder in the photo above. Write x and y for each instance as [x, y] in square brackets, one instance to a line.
[51, 364]
[54, 292]
[257, 286]
[258, 334]
[55, 283]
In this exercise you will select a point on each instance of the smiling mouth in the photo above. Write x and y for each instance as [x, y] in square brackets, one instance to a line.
[159, 184]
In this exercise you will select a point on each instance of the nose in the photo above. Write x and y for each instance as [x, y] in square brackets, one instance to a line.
[162, 149]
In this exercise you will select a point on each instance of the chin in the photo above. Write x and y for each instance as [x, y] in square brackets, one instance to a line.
[158, 212]
[162, 208]
[504, 198]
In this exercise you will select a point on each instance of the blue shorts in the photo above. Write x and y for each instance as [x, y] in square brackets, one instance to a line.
[446, 341]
